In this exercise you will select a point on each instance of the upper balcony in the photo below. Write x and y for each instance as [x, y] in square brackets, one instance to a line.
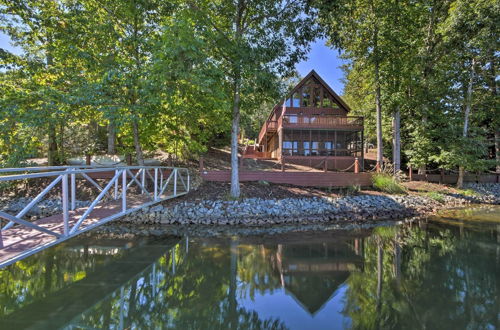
[321, 121]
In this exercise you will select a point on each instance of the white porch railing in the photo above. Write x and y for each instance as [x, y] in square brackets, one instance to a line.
[154, 184]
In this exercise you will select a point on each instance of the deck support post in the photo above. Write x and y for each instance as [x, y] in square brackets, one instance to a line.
[441, 176]
[377, 167]
[356, 165]
[410, 173]
[282, 164]
[325, 165]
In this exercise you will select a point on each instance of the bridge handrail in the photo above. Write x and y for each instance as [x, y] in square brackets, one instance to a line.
[43, 168]
[63, 167]
[74, 170]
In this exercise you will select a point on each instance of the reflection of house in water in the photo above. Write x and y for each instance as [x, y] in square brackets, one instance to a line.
[312, 273]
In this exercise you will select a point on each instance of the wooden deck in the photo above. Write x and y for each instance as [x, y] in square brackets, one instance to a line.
[20, 239]
[306, 179]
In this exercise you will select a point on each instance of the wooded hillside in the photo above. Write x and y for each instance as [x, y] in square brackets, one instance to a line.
[136, 76]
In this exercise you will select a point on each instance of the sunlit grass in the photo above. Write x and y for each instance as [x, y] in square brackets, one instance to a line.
[387, 183]
[438, 197]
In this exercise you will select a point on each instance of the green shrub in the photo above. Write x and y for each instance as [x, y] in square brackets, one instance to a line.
[438, 197]
[387, 183]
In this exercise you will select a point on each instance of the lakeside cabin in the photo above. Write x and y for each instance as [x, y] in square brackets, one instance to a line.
[311, 128]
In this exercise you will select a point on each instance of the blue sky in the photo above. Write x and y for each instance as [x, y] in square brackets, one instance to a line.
[324, 60]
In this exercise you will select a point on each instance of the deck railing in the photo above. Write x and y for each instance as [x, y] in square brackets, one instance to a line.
[327, 121]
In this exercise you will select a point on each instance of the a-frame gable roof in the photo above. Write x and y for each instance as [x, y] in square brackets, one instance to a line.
[311, 74]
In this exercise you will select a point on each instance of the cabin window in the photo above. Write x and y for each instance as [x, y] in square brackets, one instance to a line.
[296, 100]
[328, 146]
[307, 149]
[288, 103]
[327, 102]
[290, 148]
[292, 119]
[316, 98]
[306, 96]
[314, 148]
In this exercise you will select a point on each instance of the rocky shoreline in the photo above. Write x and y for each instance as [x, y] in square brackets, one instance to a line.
[258, 215]
[42, 209]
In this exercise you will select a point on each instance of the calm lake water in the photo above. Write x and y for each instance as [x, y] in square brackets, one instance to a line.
[438, 274]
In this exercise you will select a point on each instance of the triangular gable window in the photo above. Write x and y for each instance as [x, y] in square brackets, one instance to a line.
[312, 94]
[328, 100]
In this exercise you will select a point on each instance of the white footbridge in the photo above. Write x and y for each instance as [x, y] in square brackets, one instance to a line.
[118, 191]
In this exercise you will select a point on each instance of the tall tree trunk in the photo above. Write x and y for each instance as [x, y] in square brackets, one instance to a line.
[429, 62]
[137, 143]
[52, 134]
[378, 104]
[468, 105]
[111, 138]
[61, 155]
[493, 91]
[52, 145]
[423, 167]
[497, 148]
[135, 96]
[235, 178]
[396, 140]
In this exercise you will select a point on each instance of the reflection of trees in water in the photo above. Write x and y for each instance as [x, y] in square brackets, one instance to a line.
[436, 277]
[200, 295]
[398, 277]
[39, 275]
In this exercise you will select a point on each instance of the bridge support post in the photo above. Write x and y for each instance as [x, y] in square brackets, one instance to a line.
[156, 183]
[65, 204]
[143, 180]
[175, 182]
[124, 190]
[116, 186]
[73, 191]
